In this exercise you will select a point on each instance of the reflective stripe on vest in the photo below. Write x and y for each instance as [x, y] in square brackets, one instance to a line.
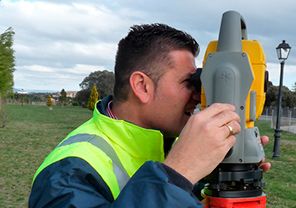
[119, 171]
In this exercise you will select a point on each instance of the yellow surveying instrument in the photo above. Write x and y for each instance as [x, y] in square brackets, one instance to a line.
[234, 71]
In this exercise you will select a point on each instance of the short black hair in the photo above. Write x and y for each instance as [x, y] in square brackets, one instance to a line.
[146, 49]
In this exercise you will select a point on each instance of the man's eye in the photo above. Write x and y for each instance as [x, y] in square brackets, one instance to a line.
[188, 83]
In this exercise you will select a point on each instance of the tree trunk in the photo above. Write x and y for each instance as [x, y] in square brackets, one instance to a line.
[3, 116]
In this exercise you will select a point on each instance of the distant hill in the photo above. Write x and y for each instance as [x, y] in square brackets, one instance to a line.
[31, 91]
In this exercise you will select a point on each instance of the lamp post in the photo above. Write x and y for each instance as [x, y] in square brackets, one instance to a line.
[283, 51]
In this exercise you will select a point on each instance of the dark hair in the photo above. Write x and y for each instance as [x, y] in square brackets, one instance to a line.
[146, 49]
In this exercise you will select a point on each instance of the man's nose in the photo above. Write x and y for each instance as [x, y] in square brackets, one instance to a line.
[196, 96]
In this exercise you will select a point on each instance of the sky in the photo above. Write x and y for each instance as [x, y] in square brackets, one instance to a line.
[58, 43]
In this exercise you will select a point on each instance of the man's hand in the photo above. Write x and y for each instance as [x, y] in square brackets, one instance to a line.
[204, 141]
[265, 166]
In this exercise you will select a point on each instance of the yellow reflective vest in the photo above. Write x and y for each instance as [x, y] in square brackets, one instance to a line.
[115, 149]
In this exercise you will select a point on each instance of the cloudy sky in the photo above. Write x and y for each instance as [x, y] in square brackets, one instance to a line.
[58, 43]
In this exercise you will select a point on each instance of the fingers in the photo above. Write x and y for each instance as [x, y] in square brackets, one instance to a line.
[265, 166]
[231, 128]
[204, 141]
[231, 132]
[264, 140]
[222, 116]
[217, 108]
[226, 117]
[230, 141]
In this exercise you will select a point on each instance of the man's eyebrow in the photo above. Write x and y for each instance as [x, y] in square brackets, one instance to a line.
[189, 74]
[186, 76]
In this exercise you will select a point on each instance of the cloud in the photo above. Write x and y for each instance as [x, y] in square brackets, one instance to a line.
[45, 78]
[288, 76]
[70, 22]
[63, 38]
[66, 53]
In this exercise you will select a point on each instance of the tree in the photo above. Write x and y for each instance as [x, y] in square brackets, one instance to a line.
[63, 97]
[81, 98]
[294, 87]
[104, 81]
[288, 97]
[94, 96]
[49, 102]
[271, 94]
[7, 63]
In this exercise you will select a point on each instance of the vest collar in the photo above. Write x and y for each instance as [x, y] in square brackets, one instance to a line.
[143, 143]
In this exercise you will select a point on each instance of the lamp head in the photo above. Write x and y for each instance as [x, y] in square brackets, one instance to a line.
[283, 50]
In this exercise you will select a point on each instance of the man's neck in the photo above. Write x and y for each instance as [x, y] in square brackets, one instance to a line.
[129, 111]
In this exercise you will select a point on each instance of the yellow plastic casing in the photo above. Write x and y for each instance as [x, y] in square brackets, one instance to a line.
[256, 56]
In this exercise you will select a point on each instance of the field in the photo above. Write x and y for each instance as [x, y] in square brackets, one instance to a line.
[281, 179]
[33, 131]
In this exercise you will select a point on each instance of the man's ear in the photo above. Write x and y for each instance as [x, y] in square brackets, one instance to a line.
[142, 86]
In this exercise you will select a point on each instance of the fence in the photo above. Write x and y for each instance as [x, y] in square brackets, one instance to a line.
[287, 118]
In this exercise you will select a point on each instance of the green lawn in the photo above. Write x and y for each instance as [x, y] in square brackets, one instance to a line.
[281, 179]
[33, 131]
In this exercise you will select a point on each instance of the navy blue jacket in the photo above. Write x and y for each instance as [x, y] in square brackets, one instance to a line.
[72, 182]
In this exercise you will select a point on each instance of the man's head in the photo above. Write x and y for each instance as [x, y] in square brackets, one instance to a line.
[154, 64]
[146, 48]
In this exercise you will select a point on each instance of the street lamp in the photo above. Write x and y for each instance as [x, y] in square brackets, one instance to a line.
[282, 51]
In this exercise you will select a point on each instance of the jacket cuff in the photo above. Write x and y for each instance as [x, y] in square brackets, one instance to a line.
[177, 179]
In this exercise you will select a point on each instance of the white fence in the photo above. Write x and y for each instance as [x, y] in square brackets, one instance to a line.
[287, 118]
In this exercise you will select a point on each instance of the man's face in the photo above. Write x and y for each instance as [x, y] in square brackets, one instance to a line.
[174, 101]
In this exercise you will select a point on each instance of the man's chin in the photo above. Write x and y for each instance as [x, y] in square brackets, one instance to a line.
[174, 133]
[188, 114]
[170, 134]
[176, 130]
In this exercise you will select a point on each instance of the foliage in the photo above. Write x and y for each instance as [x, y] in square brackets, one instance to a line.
[104, 81]
[294, 87]
[288, 96]
[49, 101]
[29, 98]
[21, 98]
[82, 97]
[271, 95]
[63, 97]
[289, 99]
[37, 97]
[7, 62]
[94, 96]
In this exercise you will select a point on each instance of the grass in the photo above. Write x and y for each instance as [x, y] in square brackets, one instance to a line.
[33, 131]
[281, 179]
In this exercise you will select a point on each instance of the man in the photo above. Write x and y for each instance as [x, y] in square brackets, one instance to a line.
[116, 159]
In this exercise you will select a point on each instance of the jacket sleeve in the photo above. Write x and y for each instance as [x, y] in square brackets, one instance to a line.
[71, 182]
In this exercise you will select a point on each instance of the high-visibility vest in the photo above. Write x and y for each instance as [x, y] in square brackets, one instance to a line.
[115, 149]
